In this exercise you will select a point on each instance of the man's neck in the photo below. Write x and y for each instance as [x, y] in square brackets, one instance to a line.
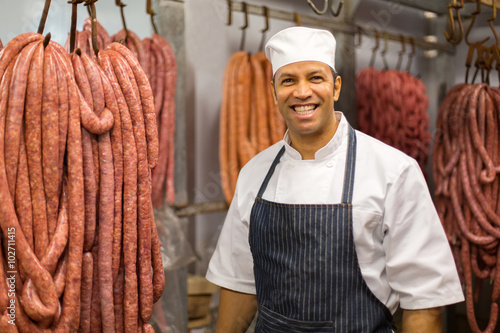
[307, 146]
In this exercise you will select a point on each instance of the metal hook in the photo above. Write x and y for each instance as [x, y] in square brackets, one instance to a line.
[358, 33]
[474, 14]
[43, 19]
[316, 10]
[122, 5]
[245, 26]
[450, 37]
[336, 12]
[93, 16]
[375, 48]
[72, 31]
[410, 56]
[384, 51]
[297, 19]
[150, 11]
[266, 28]
[401, 53]
[229, 12]
[491, 19]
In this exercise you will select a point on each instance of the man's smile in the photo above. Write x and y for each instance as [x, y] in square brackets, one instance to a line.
[304, 110]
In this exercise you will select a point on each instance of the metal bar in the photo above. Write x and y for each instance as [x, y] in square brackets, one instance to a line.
[287, 16]
[486, 2]
[201, 208]
[338, 26]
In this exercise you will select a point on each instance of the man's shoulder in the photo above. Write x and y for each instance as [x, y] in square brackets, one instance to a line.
[377, 153]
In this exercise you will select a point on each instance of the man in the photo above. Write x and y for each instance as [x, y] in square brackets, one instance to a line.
[329, 230]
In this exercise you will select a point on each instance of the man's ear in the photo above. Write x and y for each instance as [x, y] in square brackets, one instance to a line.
[336, 89]
[273, 89]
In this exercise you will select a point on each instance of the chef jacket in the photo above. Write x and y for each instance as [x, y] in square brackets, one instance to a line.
[403, 252]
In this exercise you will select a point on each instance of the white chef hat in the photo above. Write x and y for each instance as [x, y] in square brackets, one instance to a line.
[301, 44]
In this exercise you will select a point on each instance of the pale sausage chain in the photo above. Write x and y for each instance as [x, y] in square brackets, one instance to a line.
[78, 140]
[249, 120]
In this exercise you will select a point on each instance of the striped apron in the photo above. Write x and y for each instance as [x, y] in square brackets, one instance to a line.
[306, 268]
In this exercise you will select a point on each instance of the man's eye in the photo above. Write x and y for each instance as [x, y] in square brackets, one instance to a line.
[285, 81]
[316, 78]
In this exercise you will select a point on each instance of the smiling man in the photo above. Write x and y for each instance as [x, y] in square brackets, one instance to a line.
[329, 230]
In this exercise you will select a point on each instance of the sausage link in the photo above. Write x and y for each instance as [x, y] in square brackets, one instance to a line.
[147, 328]
[88, 160]
[106, 220]
[6, 324]
[32, 304]
[60, 276]
[130, 172]
[118, 298]
[25, 255]
[35, 152]
[14, 114]
[86, 292]
[95, 309]
[148, 104]
[50, 140]
[164, 172]
[23, 196]
[93, 123]
[4, 287]
[15, 46]
[33, 137]
[69, 320]
[143, 195]
[157, 262]
[117, 147]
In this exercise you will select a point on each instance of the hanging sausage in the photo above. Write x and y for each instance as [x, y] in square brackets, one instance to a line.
[78, 139]
[249, 119]
[392, 106]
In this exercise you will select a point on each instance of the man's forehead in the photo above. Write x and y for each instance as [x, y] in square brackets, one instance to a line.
[303, 66]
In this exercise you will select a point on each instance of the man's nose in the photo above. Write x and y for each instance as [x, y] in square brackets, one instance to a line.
[303, 90]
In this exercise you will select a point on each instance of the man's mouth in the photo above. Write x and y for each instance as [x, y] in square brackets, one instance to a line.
[304, 110]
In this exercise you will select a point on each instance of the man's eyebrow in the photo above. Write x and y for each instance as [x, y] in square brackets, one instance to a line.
[282, 75]
[319, 71]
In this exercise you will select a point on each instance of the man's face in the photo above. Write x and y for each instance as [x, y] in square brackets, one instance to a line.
[305, 92]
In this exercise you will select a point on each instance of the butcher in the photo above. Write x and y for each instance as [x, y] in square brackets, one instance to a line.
[329, 230]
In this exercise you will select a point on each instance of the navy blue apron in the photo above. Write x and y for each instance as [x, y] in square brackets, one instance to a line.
[306, 268]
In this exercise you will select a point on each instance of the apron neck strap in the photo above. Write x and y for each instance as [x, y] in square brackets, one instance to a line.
[270, 172]
[350, 164]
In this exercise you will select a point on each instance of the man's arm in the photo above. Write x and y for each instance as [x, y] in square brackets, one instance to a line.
[425, 320]
[236, 311]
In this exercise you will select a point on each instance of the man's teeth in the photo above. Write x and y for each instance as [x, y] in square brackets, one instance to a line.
[303, 110]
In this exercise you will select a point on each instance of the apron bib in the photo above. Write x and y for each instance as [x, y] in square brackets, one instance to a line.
[306, 268]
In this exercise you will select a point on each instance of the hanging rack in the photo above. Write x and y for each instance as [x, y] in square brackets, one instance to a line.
[335, 26]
